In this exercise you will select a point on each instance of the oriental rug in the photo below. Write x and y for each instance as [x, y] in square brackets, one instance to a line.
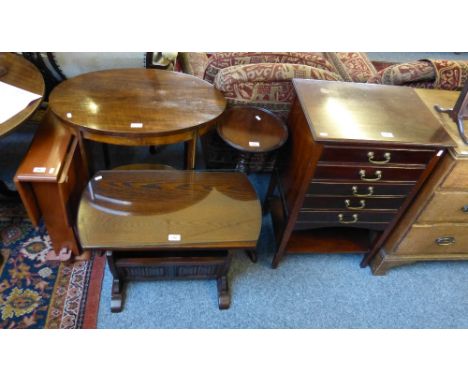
[35, 293]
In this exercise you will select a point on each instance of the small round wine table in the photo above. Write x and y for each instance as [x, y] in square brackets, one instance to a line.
[253, 131]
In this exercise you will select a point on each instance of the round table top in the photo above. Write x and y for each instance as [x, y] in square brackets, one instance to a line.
[19, 72]
[252, 129]
[132, 102]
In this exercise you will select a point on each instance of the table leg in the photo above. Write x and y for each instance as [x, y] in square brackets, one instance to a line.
[190, 152]
[252, 254]
[224, 298]
[117, 284]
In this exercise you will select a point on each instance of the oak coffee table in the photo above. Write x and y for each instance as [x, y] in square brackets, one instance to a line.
[138, 107]
[172, 224]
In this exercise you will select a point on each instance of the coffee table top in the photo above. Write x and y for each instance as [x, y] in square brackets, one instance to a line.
[343, 111]
[149, 209]
[137, 102]
[252, 129]
[21, 73]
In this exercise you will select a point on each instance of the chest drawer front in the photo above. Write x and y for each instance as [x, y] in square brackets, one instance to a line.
[362, 189]
[369, 220]
[366, 173]
[352, 203]
[376, 155]
[435, 239]
[346, 216]
[458, 177]
[446, 207]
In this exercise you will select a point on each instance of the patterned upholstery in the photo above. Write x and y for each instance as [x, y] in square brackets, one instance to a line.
[265, 84]
[223, 60]
[352, 66]
[264, 79]
[194, 63]
[433, 74]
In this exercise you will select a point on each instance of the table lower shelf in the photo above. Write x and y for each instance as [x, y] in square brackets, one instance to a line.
[169, 265]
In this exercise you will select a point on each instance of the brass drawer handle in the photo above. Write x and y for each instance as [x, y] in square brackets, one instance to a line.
[370, 189]
[370, 156]
[362, 205]
[341, 217]
[378, 176]
[445, 240]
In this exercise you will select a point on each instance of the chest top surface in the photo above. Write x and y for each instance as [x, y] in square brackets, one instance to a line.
[341, 111]
[137, 101]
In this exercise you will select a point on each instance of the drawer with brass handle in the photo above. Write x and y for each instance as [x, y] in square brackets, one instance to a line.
[446, 206]
[376, 155]
[367, 173]
[360, 189]
[434, 239]
[369, 220]
[351, 203]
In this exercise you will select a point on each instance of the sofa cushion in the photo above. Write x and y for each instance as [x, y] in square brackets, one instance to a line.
[352, 66]
[194, 63]
[449, 75]
[404, 74]
[266, 85]
[432, 74]
[223, 60]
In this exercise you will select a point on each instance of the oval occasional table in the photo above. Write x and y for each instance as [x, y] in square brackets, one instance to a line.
[17, 71]
[138, 107]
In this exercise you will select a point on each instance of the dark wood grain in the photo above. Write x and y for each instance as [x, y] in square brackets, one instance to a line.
[164, 102]
[242, 125]
[21, 73]
[343, 111]
[336, 148]
[140, 209]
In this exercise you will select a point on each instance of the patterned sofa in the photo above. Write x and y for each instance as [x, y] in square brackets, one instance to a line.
[264, 79]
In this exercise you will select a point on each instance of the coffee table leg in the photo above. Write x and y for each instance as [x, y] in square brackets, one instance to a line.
[116, 292]
[252, 253]
[190, 153]
[224, 298]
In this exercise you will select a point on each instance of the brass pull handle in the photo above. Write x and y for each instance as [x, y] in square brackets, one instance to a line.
[354, 189]
[445, 240]
[360, 207]
[465, 208]
[370, 156]
[378, 176]
[342, 221]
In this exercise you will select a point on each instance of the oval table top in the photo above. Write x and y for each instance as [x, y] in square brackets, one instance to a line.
[19, 72]
[137, 102]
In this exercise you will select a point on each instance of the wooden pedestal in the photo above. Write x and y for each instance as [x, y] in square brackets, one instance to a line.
[168, 265]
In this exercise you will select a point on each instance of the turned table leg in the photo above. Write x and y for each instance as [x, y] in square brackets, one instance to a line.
[224, 298]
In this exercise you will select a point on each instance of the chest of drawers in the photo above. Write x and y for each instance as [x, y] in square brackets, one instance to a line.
[356, 157]
[435, 226]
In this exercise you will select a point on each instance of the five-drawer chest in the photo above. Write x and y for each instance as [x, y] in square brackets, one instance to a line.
[356, 157]
[435, 226]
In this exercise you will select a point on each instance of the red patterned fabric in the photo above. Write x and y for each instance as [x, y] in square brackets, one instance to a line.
[266, 82]
[405, 74]
[352, 66]
[223, 60]
[194, 63]
[430, 74]
[450, 75]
